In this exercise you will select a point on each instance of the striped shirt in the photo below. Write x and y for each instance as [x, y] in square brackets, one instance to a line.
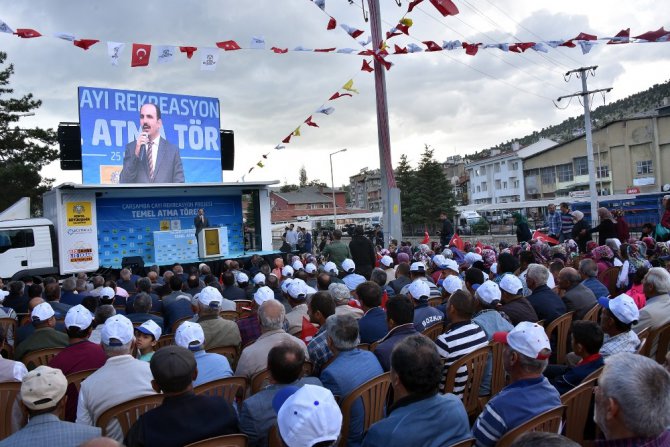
[434, 290]
[566, 224]
[462, 338]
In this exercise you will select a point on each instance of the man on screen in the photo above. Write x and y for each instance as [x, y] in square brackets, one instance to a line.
[200, 221]
[150, 158]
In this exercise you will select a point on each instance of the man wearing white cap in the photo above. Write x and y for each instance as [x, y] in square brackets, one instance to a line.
[425, 316]
[514, 304]
[210, 366]
[45, 335]
[311, 271]
[80, 355]
[351, 278]
[43, 396]
[230, 290]
[529, 393]
[218, 331]
[297, 299]
[417, 272]
[122, 378]
[617, 319]
[342, 297]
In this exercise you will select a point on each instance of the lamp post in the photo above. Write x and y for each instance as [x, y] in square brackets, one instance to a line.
[332, 186]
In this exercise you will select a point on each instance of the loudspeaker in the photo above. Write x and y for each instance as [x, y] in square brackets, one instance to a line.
[69, 140]
[227, 150]
[134, 263]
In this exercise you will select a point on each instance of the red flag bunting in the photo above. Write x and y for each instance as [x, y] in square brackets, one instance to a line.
[544, 238]
[403, 28]
[332, 24]
[27, 33]
[521, 46]
[412, 4]
[568, 43]
[445, 7]
[624, 34]
[383, 61]
[279, 50]
[399, 50]
[432, 46]
[141, 55]
[653, 36]
[339, 95]
[188, 50]
[308, 331]
[584, 36]
[287, 139]
[389, 34]
[228, 45]
[366, 53]
[457, 242]
[426, 238]
[471, 48]
[324, 50]
[309, 122]
[85, 43]
[366, 66]
[356, 32]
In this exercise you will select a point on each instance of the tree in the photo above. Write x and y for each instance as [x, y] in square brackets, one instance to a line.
[288, 188]
[433, 192]
[303, 177]
[23, 152]
[405, 178]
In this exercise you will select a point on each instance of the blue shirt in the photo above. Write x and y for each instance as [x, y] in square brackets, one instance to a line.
[372, 326]
[426, 316]
[598, 288]
[352, 280]
[211, 367]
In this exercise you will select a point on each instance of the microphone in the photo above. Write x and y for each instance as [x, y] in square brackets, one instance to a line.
[143, 148]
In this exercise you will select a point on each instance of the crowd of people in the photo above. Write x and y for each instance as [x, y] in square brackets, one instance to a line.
[354, 312]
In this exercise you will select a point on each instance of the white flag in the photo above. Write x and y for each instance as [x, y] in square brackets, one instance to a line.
[364, 43]
[66, 36]
[414, 48]
[326, 110]
[540, 47]
[346, 50]
[114, 50]
[301, 48]
[280, 147]
[165, 53]
[257, 43]
[321, 4]
[586, 45]
[209, 57]
[4, 28]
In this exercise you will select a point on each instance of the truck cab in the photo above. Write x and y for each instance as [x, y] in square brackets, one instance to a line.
[27, 248]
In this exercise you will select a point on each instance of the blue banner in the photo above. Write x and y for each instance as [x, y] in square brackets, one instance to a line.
[189, 128]
[126, 226]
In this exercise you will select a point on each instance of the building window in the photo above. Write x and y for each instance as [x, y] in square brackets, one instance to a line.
[603, 171]
[16, 239]
[496, 168]
[564, 173]
[581, 166]
[516, 184]
[497, 184]
[482, 170]
[515, 166]
[504, 185]
[548, 176]
[644, 167]
[479, 189]
[484, 187]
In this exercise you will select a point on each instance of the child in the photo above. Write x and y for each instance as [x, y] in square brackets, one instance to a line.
[636, 291]
[146, 337]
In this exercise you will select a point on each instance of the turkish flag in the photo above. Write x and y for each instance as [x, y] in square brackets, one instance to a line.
[399, 50]
[521, 46]
[308, 331]
[432, 46]
[332, 24]
[85, 43]
[412, 4]
[228, 45]
[27, 33]
[188, 50]
[544, 238]
[402, 28]
[446, 7]
[479, 247]
[457, 242]
[141, 54]
[471, 48]
[624, 36]
[650, 36]
[279, 50]
[426, 238]
[309, 122]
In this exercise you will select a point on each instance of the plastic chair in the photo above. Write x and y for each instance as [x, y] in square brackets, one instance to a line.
[231, 388]
[577, 402]
[364, 346]
[78, 377]
[592, 314]
[594, 375]
[127, 413]
[374, 395]
[8, 394]
[662, 338]
[475, 363]
[498, 371]
[232, 353]
[260, 380]
[464, 443]
[608, 278]
[165, 340]
[561, 326]
[549, 421]
[8, 327]
[40, 357]
[434, 331]
[238, 440]
[176, 324]
[373, 345]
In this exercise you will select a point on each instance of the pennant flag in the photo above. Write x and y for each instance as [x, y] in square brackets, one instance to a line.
[554, 43]
[287, 140]
[66, 36]
[366, 66]
[280, 147]
[426, 238]
[301, 48]
[349, 86]
[141, 54]
[339, 95]
[114, 50]
[567, 43]
[209, 57]
[279, 50]
[457, 242]
[309, 122]
[403, 28]
[188, 50]
[366, 53]
[85, 44]
[296, 132]
[4, 28]
[392, 33]
[332, 24]
[365, 42]
[257, 43]
[412, 4]
[471, 48]
[27, 33]
[584, 36]
[649, 36]
[324, 50]
[521, 46]
[165, 53]
[260, 164]
[228, 45]
[414, 48]
[445, 7]
[540, 47]
[383, 61]
[384, 46]
[321, 4]
[398, 50]
[538, 235]
[353, 32]
[586, 45]
[451, 45]
[325, 110]
[622, 36]
[308, 331]
[346, 50]
[432, 46]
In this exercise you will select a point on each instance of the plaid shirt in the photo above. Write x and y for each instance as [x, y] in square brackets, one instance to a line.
[250, 328]
[554, 223]
[319, 353]
[663, 440]
[624, 342]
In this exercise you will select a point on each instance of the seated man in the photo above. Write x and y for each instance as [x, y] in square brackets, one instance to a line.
[218, 331]
[416, 372]
[320, 307]
[588, 271]
[43, 396]
[45, 335]
[616, 320]
[425, 316]
[400, 320]
[210, 366]
[183, 417]
[351, 278]
[342, 297]
[372, 325]
[576, 296]
[141, 307]
[285, 363]
[529, 393]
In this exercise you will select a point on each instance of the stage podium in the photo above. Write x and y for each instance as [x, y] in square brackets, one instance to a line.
[213, 242]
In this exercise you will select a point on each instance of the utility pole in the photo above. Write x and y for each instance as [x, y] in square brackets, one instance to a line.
[582, 73]
[390, 193]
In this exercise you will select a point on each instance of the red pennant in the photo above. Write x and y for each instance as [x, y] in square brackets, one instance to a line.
[332, 24]
[339, 95]
[653, 36]
[309, 122]
[412, 4]
[85, 43]
[445, 7]
[366, 66]
[521, 46]
[389, 34]
[624, 33]
[228, 45]
[384, 62]
[356, 32]
[324, 50]
[366, 53]
[426, 238]
[471, 48]
[141, 54]
[287, 139]
[432, 46]
[403, 28]
[544, 238]
[279, 50]
[399, 50]
[584, 36]
[457, 242]
[27, 33]
[308, 331]
[568, 43]
[188, 50]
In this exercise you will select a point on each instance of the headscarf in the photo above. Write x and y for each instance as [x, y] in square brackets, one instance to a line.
[467, 246]
[403, 257]
[559, 252]
[590, 245]
[538, 254]
[571, 246]
[448, 253]
[661, 249]
[519, 218]
[635, 260]
[649, 242]
[489, 257]
[604, 213]
[602, 253]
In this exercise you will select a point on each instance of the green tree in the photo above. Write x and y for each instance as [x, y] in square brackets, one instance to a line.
[23, 152]
[433, 193]
[303, 177]
[288, 188]
[405, 178]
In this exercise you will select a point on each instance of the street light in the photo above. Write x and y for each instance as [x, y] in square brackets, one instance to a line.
[332, 185]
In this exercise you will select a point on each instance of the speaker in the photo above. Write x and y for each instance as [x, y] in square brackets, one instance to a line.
[69, 140]
[134, 263]
[227, 150]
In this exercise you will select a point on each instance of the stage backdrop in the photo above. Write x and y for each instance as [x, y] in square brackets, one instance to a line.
[126, 226]
[109, 120]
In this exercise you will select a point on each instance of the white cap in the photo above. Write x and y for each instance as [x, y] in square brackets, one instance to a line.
[450, 264]
[471, 258]
[297, 290]
[330, 267]
[439, 261]
[488, 292]
[348, 265]
[263, 294]
[117, 327]
[187, 333]
[78, 316]
[386, 260]
[150, 327]
[284, 285]
[259, 278]
[107, 292]
[623, 307]
[42, 312]
[417, 267]
[494, 268]
[309, 416]
[210, 296]
[287, 271]
[242, 277]
[510, 284]
[527, 338]
[419, 289]
[310, 268]
[452, 283]
[3, 295]
[297, 265]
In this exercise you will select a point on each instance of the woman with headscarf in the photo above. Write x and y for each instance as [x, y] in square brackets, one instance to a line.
[632, 262]
[522, 229]
[604, 257]
[622, 229]
[606, 229]
[580, 231]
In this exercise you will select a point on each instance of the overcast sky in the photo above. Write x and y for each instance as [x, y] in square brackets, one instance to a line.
[453, 102]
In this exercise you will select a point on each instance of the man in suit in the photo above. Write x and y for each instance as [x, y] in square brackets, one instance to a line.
[576, 295]
[200, 221]
[159, 161]
[656, 313]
